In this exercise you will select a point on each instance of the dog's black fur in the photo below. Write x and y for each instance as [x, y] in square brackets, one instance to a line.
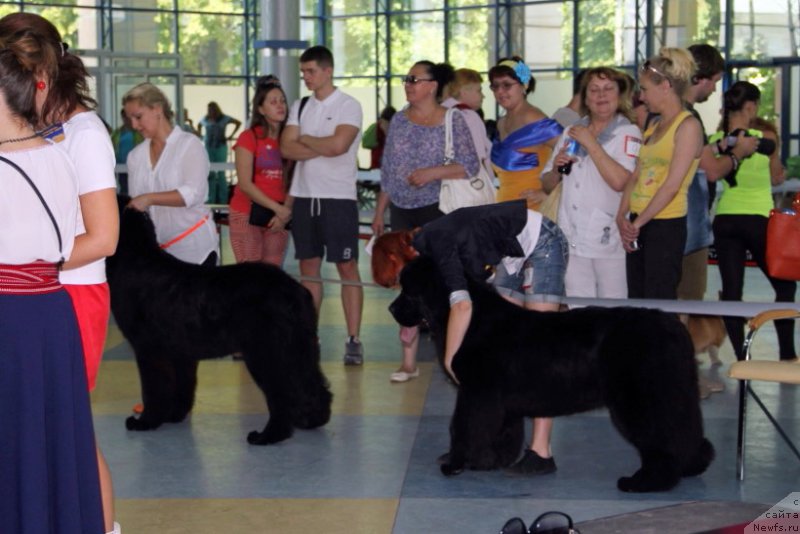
[515, 363]
[175, 313]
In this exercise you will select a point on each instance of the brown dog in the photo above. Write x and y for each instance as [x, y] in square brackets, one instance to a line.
[707, 333]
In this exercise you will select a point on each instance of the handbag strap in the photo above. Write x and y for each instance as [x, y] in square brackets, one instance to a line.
[41, 199]
[449, 153]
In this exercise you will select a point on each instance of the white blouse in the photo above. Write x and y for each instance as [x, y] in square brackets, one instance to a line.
[182, 166]
[26, 232]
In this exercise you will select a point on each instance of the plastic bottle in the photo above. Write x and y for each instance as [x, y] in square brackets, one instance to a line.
[572, 150]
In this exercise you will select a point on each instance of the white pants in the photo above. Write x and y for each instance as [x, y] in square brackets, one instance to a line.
[596, 277]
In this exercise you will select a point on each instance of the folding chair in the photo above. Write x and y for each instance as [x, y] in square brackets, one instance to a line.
[784, 372]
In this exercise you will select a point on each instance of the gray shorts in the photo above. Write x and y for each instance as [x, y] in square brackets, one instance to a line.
[325, 227]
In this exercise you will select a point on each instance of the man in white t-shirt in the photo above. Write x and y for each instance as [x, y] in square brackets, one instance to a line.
[322, 134]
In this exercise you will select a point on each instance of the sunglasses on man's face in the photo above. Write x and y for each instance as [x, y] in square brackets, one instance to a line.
[413, 80]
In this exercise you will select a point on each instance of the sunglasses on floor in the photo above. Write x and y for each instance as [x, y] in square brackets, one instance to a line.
[547, 523]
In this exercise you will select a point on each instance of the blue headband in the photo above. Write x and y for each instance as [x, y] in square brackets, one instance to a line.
[521, 70]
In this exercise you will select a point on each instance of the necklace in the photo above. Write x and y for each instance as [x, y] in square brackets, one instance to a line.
[19, 139]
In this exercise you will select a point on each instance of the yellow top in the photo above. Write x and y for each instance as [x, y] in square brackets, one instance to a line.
[654, 162]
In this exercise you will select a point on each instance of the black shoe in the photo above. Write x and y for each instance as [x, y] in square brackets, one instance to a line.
[533, 464]
[444, 458]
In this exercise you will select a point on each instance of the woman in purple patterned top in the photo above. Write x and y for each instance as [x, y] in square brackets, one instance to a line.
[413, 167]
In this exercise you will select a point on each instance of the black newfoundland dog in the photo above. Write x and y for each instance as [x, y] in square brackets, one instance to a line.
[516, 363]
[175, 313]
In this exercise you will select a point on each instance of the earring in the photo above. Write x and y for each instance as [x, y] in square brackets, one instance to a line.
[40, 85]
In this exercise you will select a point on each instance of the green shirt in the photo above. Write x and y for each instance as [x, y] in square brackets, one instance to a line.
[753, 192]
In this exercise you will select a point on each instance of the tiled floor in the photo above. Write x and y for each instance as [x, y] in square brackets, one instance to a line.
[373, 469]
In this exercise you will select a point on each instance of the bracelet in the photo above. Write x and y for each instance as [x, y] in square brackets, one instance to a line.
[734, 160]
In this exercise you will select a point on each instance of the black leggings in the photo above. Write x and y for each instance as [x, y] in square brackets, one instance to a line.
[733, 236]
[654, 271]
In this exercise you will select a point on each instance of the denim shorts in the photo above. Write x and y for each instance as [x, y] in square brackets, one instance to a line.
[547, 264]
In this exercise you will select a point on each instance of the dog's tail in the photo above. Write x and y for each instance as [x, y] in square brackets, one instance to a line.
[701, 460]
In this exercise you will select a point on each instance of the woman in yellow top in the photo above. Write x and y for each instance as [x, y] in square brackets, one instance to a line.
[525, 136]
[652, 214]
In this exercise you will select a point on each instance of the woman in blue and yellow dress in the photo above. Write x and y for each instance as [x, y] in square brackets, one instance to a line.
[525, 140]
[525, 135]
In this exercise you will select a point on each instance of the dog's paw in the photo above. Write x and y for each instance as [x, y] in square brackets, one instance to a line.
[450, 470]
[138, 423]
[177, 417]
[269, 436]
[644, 484]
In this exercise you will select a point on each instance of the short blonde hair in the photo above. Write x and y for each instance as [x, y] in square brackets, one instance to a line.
[463, 77]
[673, 64]
[149, 96]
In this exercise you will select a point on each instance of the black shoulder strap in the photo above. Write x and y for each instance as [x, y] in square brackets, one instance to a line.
[303, 102]
[41, 199]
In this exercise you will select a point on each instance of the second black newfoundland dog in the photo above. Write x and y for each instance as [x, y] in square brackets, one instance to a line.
[174, 313]
[516, 363]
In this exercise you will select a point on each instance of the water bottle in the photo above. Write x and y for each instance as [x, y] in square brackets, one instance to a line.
[572, 150]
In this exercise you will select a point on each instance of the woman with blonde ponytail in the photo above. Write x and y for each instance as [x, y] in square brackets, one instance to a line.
[652, 215]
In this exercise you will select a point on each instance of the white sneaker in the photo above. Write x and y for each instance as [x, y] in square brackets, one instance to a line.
[402, 376]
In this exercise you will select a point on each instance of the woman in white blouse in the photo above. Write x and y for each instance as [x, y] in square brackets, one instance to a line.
[167, 176]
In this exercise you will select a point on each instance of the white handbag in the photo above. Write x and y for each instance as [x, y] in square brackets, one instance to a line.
[462, 192]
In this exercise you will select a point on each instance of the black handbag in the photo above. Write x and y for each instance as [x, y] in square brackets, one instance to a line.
[259, 215]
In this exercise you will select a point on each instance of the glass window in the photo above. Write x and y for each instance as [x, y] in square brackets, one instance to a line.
[212, 6]
[76, 25]
[416, 37]
[544, 31]
[764, 28]
[143, 32]
[469, 33]
[230, 94]
[211, 44]
[463, 3]
[415, 5]
[167, 5]
[56, 2]
[353, 47]
[351, 7]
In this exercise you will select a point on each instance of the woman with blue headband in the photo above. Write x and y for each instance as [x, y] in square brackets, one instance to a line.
[524, 142]
[525, 135]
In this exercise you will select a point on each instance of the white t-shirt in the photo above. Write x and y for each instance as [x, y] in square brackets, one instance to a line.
[588, 207]
[183, 166]
[88, 144]
[324, 177]
[26, 232]
[527, 239]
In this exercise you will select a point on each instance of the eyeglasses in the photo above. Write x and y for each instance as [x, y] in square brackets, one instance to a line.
[505, 86]
[547, 523]
[413, 80]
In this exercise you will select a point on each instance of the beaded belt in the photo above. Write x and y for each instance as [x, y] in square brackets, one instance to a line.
[29, 279]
